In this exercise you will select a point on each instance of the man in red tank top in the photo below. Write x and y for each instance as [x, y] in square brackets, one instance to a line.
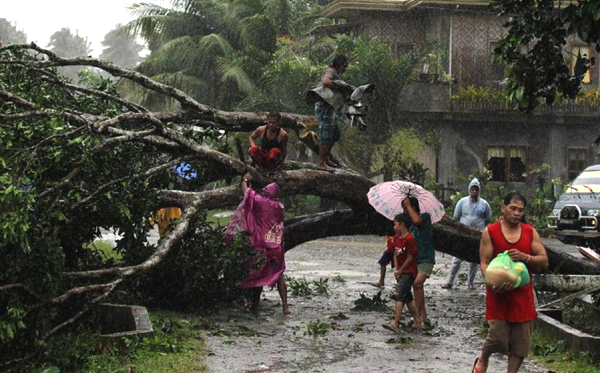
[510, 312]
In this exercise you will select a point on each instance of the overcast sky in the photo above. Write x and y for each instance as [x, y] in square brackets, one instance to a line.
[92, 19]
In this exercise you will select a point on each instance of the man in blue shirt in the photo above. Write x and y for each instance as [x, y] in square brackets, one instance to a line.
[475, 212]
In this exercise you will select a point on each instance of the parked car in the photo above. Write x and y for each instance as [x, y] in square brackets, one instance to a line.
[575, 215]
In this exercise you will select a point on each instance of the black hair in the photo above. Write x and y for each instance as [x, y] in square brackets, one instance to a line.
[339, 60]
[415, 204]
[404, 219]
[275, 115]
[514, 196]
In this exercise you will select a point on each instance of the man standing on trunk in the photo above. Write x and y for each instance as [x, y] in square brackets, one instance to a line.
[329, 130]
[475, 212]
[510, 312]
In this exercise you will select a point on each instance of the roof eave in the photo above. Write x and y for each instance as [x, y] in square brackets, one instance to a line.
[345, 8]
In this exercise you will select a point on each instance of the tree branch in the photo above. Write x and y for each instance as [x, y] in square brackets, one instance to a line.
[143, 175]
[17, 100]
[217, 197]
[12, 286]
[110, 287]
[66, 180]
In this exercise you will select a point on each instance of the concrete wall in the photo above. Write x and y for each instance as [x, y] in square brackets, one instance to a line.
[466, 37]
[465, 136]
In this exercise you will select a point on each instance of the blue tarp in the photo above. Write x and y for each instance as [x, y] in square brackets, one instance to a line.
[186, 171]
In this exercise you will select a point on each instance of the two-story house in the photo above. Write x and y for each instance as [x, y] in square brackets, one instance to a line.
[475, 135]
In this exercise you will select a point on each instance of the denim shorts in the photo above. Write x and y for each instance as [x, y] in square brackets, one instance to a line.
[404, 286]
[329, 130]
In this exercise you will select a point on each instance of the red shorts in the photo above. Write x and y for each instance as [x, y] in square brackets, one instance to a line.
[264, 159]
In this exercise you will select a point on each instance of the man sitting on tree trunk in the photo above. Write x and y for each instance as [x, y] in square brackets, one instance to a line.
[273, 144]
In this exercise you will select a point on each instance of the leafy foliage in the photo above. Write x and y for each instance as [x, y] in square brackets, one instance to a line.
[543, 73]
[203, 269]
[174, 346]
[47, 223]
[376, 303]
[304, 288]
[65, 44]
[10, 34]
[317, 329]
[215, 49]
[121, 48]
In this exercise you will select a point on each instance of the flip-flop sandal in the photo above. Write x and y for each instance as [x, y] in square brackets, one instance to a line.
[475, 370]
[392, 329]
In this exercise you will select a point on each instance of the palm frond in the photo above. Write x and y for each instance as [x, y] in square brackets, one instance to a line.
[232, 70]
[215, 44]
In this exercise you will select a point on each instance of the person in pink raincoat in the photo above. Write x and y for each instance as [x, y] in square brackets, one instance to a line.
[261, 215]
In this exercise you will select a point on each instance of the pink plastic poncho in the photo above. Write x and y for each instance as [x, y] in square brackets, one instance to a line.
[262, 217]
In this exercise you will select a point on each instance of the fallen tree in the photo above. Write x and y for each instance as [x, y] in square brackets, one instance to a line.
[77, 159]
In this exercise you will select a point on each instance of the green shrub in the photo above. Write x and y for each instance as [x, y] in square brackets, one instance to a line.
[202, 268]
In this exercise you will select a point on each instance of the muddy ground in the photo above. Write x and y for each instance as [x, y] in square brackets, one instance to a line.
[272, 342]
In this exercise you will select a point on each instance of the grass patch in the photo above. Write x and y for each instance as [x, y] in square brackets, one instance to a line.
[221, 220]
[175, 347]
[553, 355]
[105, 249]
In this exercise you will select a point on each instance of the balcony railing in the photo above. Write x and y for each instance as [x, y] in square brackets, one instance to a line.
[464, 106]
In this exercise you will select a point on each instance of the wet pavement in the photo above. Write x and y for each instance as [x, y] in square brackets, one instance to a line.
[272, 342]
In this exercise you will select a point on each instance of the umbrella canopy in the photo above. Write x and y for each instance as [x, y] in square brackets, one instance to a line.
[387, 199]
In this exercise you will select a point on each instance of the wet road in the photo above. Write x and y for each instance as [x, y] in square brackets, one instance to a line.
[271, 342]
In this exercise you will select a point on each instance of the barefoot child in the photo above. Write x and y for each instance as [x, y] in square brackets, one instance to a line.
[405, 253]
[386, 258]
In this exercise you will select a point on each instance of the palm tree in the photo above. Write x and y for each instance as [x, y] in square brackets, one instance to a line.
[214, 49]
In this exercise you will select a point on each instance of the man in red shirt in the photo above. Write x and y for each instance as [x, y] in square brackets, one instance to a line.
[510, 312]
[404, 248]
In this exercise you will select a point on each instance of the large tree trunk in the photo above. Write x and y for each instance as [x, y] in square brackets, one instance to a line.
[449, 237]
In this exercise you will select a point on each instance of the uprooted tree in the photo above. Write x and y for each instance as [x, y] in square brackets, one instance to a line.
[78, 159]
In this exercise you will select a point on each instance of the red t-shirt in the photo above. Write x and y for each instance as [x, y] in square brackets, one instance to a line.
[402, 247]
[516, 305]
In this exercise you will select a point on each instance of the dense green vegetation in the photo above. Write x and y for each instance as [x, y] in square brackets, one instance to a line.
[553, 355]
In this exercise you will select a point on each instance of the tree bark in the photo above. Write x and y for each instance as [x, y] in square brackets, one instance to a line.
[449, 237]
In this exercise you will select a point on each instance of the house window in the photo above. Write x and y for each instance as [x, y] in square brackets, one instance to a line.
[507, 163]
[576, 161]
[580, 51]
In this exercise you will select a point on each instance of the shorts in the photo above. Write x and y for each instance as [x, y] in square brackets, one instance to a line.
[425, 268]
[265, 159]
[386, 258]
[405, 282]
[329, 130]
[509, 338]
